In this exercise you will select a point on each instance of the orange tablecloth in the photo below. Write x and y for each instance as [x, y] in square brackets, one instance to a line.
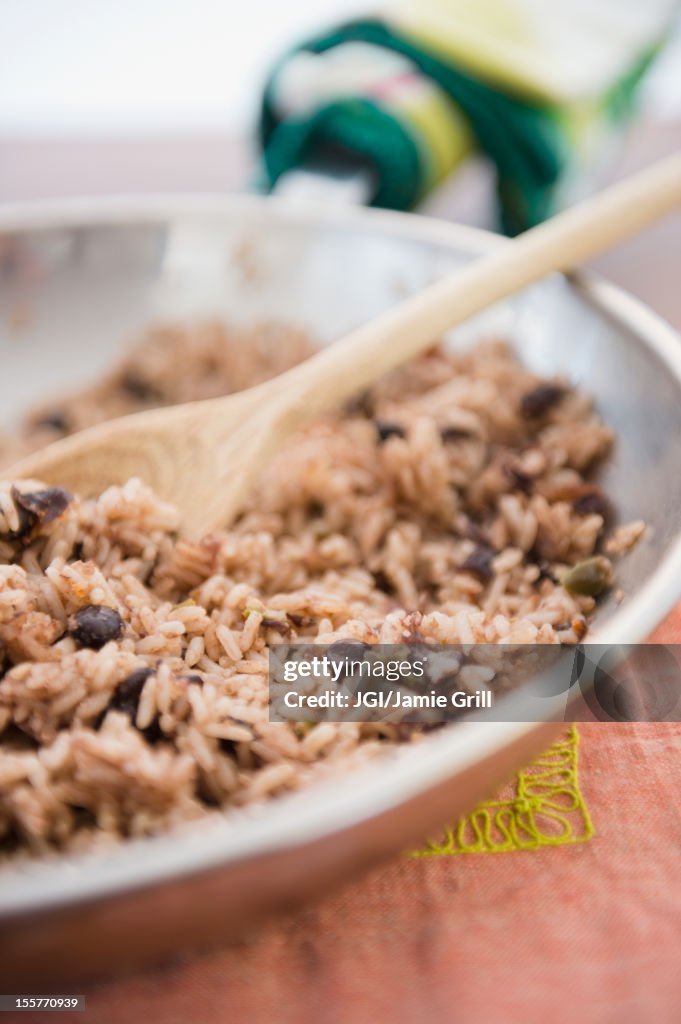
[588, 933]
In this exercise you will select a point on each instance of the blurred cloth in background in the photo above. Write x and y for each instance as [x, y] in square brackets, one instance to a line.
[542, 91]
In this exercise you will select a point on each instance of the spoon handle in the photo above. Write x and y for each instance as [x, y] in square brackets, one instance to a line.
[559, 244]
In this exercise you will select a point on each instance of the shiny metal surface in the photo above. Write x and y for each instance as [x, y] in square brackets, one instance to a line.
[77, 280]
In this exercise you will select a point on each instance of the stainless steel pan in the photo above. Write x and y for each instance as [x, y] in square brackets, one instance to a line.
[77, 280]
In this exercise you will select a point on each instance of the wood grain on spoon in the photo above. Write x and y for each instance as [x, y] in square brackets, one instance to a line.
[203, 456]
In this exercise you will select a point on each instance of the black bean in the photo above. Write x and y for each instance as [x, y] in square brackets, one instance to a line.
[299, 620]
[53, 421]
[386, 430]
[342, 650]
[455, 434]
[137, 387]
[126, 699]
[382, 582]
[537, 402]
[19, 738]
[95, 624]
[38, 508]
[194, 679]
[127, 694]
[45, 505]
[593, 503]
[479, 564]
[279, 625]
[153, 732]
[83, 818]
[521, 481]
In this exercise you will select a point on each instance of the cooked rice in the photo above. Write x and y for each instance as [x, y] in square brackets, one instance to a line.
[442, 505]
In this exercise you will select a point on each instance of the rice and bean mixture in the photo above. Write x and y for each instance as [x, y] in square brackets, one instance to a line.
[453, 502]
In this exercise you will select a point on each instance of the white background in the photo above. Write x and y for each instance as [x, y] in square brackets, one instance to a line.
[103, 67]
[107, 68]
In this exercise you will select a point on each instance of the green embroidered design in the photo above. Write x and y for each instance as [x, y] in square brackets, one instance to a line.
[545, 808]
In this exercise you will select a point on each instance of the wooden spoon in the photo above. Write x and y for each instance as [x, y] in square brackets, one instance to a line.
[203, 456]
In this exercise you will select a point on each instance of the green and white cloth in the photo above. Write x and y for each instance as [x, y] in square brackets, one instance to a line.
[541, 88]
